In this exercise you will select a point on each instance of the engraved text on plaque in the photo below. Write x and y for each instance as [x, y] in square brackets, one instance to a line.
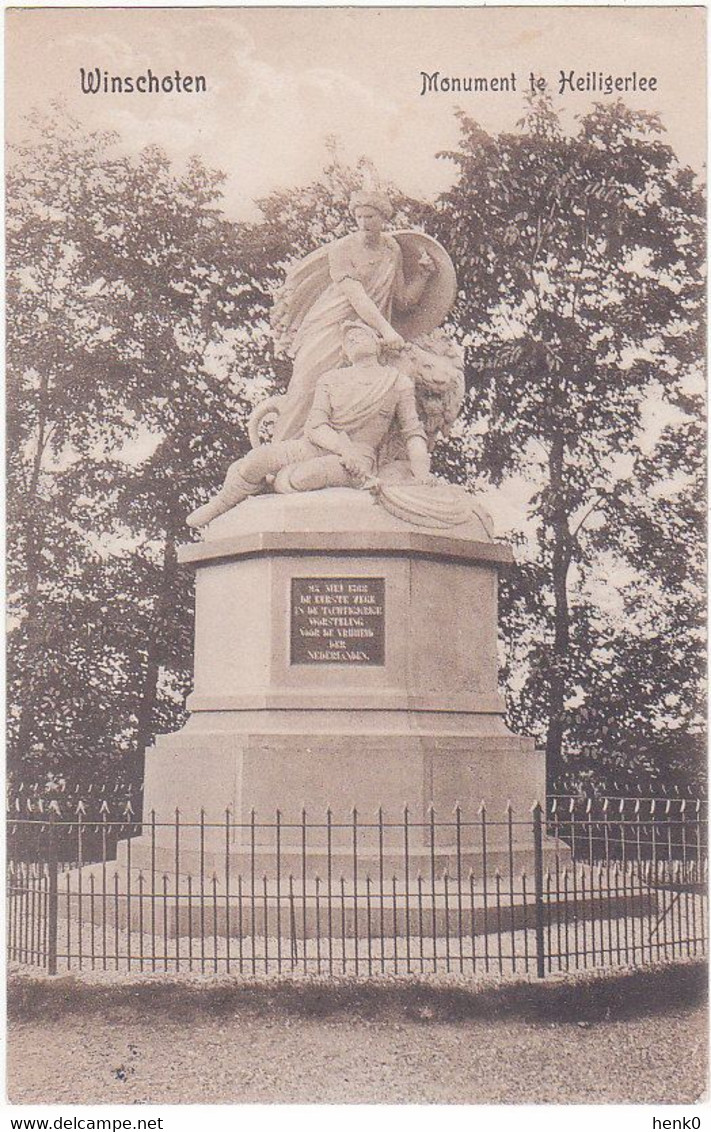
[338, 621]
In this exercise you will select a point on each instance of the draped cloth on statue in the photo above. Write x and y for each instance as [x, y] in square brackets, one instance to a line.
[348, 405]
[438, 505]
[311, 309]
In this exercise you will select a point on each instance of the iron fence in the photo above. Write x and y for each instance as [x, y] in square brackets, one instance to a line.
[616, 828]
[582, 886]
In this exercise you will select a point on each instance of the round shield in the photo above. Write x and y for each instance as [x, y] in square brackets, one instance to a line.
[440, 291]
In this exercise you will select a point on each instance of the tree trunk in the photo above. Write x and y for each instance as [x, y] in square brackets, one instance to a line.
[146, 708]
[34, 538]
[562, 551]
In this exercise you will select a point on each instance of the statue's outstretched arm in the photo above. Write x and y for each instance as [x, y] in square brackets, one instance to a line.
[366, 309]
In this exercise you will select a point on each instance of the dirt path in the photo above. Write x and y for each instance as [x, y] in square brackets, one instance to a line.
[133, 1057]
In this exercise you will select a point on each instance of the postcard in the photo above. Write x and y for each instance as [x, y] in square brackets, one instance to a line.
[355, 405]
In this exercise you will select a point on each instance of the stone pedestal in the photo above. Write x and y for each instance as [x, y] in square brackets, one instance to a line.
[343, 659]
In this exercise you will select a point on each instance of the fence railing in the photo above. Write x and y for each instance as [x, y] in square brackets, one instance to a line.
[468, 894]
[604, 829]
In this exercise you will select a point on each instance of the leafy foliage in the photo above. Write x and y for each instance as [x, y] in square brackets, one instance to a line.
[580, 268]
[125, 399]
[139, 341]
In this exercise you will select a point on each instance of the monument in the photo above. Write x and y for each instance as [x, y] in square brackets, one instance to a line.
[346, 599]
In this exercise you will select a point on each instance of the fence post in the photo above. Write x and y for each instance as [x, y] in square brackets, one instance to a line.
[53, 899]
[538, 888]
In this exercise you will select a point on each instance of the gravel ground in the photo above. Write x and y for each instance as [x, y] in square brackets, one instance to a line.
[140, 1057]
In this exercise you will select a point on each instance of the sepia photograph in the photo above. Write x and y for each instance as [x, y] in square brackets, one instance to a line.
[356, 556]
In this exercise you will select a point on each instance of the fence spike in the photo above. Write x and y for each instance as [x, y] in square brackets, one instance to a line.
[636, 869]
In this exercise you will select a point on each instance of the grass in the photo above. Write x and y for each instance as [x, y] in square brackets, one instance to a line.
[587, 997]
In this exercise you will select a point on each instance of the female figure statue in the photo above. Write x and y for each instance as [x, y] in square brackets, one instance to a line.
[371, 275]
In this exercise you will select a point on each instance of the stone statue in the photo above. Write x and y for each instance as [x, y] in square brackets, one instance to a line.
[400, 284]
[376, 299]
[353, 410]
[345, 606]
[436, 366]
[435, 363]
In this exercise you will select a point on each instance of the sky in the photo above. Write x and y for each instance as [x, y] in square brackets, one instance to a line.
[281, 81]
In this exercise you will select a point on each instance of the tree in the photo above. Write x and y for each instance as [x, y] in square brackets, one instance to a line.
[125, 400]
[139, 340]
[126, 408]
[579, 261]
[639, 723]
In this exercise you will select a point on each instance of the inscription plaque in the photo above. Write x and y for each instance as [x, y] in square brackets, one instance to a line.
[338, 621]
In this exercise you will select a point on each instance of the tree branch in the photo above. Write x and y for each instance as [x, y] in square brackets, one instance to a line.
[593, 507]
